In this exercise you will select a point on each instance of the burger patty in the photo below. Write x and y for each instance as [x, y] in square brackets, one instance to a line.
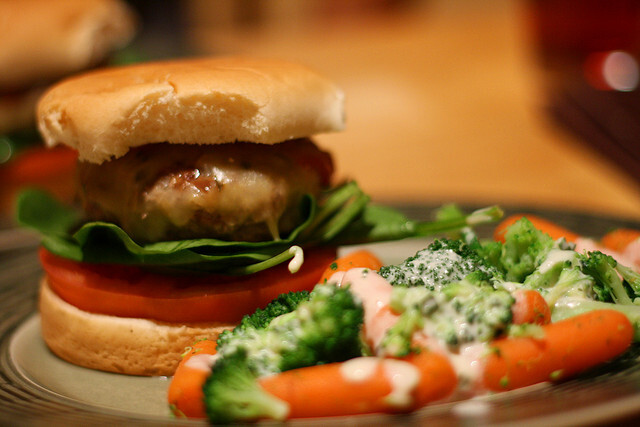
[237, 191]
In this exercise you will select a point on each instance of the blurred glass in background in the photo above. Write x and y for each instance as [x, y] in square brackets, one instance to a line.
[587, 34]
[589, 51]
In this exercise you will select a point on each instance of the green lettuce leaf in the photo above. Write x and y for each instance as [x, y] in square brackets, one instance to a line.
[343, 215]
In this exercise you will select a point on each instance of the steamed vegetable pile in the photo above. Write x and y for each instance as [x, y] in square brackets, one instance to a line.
[461, 317]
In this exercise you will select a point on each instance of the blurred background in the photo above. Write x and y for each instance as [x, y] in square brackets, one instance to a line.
[522, 103]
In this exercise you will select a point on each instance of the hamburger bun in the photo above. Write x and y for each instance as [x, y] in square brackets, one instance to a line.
[116, 344]
[104, 113]
[244, 175]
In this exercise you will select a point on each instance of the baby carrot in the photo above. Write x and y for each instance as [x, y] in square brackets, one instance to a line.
[530, 307]
[185, 390]
[620, 238]
[568, 347]
[364, 385]
[358, 258]
[552, 229]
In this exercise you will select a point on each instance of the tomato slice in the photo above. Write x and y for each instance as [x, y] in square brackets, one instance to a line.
[129, 291]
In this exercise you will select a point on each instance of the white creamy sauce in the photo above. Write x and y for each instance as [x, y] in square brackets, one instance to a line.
[447, 315]
[555, 257]
[201, 362]
[467, 362]
[359, 369]
[431, 268]
[297, 260]
[404, 378]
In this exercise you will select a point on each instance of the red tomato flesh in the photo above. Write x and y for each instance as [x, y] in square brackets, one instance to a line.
[129, 291]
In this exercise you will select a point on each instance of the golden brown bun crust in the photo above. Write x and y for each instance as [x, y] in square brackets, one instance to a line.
[48, 39]
[194, 101]
[116, 344]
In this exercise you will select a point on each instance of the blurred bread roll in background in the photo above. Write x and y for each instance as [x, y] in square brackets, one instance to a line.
[44, 40]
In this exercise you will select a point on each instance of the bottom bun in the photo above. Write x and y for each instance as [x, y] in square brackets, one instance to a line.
[117, 344]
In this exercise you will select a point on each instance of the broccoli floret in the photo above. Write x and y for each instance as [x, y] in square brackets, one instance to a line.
[481, 278]
[443, 261]
[463, 311]
[323, 329]
[326, 328]
[284, 303]
[631, 278]
[572, 282]
[609, 286]
[523, 250]
[578, 283]
[457, 246]
[562, 273]
[482, 305]
[490, 252]
[547, 274]
[232, 393]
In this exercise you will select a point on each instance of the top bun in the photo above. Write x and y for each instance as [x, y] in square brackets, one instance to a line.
[43, 40]
[194, 101]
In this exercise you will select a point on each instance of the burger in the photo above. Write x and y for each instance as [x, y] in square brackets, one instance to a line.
[203, 198]
[43, 41]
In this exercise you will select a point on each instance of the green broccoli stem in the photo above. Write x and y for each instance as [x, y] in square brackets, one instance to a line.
[603, 268]
[630, 276]
[619, 293]
[480, 216]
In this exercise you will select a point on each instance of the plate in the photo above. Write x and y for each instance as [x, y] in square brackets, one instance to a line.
[37, 388]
